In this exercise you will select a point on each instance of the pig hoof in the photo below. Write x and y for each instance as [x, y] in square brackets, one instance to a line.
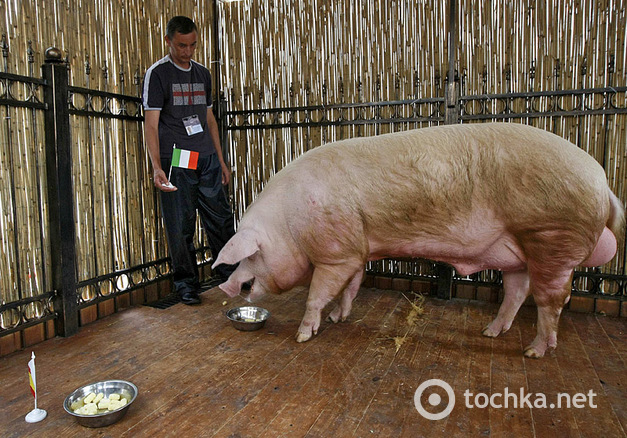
[496, 328]
[489, 332]
[336, 315]
[533, 353]
[541, 345]
[303, 337]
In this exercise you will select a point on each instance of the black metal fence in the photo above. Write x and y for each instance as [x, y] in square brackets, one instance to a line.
[23, 202]
[551, 110]
[52, 186]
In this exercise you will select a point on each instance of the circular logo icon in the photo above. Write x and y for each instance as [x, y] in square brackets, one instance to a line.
[434, 399]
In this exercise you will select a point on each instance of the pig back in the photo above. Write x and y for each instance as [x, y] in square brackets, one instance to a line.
[432, 180]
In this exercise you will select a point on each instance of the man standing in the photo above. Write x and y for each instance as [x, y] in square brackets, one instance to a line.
[178, 114]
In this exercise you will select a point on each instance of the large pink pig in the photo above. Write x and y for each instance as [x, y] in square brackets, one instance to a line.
[483, 196]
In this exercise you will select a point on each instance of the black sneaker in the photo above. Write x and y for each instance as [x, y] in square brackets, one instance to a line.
[190, 298]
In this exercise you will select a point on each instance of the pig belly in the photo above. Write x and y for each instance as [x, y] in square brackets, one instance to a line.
[502, 259]
[502, 253]
[475, 242]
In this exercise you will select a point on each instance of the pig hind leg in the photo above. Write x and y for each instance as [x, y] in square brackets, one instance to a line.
[326, 283]
[516, 288]
[550, 292]
[343, 308]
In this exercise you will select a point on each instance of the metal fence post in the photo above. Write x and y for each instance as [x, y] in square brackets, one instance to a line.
[451, 92]
[60, 192]
[451, 116]
[222, 127]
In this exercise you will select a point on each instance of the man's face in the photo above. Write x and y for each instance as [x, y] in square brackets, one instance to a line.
[182, 47]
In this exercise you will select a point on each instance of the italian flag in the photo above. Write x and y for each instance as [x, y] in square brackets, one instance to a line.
[184, 159]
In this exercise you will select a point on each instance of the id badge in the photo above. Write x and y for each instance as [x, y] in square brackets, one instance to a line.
[192, 125]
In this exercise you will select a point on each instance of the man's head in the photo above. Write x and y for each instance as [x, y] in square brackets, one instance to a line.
[180, 24]
[181, 37]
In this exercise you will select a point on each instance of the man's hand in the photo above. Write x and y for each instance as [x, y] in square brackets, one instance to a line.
[226, 174]
[151, 132]
[161, 181]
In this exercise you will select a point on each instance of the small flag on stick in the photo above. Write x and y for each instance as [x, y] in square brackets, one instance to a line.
[185, 159]
[32, 378]
[36, 414]
[182, 158]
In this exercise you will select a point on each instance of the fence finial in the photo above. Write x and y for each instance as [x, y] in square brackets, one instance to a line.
[5, 46]
[30, 52]
[53, 55]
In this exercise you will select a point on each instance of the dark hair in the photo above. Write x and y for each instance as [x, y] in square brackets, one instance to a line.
[180, 24]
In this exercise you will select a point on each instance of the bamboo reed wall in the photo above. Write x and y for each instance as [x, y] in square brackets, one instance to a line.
[298, 53]
[22, 172]
[276, 53]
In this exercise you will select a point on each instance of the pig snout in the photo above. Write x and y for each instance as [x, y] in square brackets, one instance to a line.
[241, 246]
[240, 279]
[244, 286]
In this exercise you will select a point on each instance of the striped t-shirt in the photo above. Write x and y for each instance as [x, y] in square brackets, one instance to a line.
[178, 94]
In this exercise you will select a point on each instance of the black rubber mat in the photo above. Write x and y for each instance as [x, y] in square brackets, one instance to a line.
[165, 302]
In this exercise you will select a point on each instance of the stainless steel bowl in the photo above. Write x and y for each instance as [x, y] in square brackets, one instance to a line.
[107, 387]
[248, 318]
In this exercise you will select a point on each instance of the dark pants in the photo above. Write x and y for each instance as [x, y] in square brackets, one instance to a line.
[198, 190]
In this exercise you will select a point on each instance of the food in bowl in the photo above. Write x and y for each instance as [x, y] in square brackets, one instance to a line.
[106, 412]
[93, 403]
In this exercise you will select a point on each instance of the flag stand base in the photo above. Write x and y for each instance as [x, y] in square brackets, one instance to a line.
[36, 415]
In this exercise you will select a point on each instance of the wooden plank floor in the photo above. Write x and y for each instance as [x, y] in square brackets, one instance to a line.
[199, 377]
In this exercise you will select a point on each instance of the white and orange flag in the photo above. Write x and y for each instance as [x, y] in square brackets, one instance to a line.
[36, 414]
[32, 377]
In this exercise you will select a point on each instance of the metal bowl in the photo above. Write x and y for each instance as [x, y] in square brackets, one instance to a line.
[102, 418]
[248, 318]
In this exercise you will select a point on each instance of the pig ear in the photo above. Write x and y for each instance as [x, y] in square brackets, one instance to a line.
[243, 244]
[230, 288]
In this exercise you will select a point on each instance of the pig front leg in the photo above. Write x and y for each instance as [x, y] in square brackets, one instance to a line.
[550, 297]
[343, 308]
[516, 288]
[326, 283]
